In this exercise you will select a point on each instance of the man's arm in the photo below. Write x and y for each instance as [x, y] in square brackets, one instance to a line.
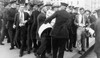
[75, 21]
[49, 19]
[15, 20]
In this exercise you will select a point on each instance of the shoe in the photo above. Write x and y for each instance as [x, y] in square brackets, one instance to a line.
[11, 48]
[70, 50]
[20, 55]
[74, 46]
[37, 56]
[8, 41]
[34, 50]
[1, 43]
[80, 52]
[83, 50]
[28, 52]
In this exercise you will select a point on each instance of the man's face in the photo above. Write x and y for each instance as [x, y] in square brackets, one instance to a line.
[48, 7]
[55, 9]
[22, 8]
[82, 11]
[13, 5]
[62, 7]
[35, 7]
[28, 6]
[44, 9]
[87, 14]
[17, 6]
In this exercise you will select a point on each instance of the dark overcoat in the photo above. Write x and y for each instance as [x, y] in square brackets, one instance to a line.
[34, 21]
[11, 14]
[96, 27]
[60, 29]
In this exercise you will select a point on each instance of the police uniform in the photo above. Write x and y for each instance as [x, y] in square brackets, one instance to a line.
[59, 32]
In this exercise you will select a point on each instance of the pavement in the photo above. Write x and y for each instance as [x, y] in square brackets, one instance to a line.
[91, 55]
[6, 53]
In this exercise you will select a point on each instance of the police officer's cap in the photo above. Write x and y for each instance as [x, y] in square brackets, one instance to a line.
[55, 6]
[48, 5]
[12, 2]
[40, 4]
[64, 4]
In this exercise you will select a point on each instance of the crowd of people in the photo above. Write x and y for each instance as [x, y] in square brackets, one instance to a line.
[20, 24]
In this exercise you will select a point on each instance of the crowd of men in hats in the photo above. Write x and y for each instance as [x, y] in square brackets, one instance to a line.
[20, 24]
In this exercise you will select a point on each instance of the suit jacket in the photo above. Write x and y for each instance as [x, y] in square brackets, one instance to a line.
[86, 20]
[61, 24]
[17, 21]
[33, 21]
[40, 19]
[92, 19]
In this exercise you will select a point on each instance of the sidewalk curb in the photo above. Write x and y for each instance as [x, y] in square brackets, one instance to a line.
[87, 52]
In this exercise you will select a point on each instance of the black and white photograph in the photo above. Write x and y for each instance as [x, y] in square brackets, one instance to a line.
[49, 29]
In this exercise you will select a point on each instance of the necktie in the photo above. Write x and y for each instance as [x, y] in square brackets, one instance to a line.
[21, 17]
[82, 19]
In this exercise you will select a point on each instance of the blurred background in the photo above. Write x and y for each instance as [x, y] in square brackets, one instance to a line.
[87, 4]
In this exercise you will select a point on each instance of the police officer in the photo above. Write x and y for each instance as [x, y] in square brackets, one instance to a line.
[59, 32]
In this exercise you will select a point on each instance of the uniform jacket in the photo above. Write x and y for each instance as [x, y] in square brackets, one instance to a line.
[61, 24]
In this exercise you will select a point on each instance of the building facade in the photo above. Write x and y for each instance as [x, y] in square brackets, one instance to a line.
[87, 4]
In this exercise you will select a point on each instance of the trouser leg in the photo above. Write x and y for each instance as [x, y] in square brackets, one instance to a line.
[10, 31]
[55, 47]
[87, 42]
[61, 42]
[2, 34]
[29, 41]
[7, 35]
[83, 41]
[23, 40]
[79, 33]
[17, 39]
[42, 46]
[74, 40]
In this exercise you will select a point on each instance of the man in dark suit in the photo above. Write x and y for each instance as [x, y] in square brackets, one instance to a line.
[1, 24]
[11, 14]
[21, 19]
[71, 30]
[33, 29]
[5, 17]
[40, 20]
[4, 22]
[59, 33]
